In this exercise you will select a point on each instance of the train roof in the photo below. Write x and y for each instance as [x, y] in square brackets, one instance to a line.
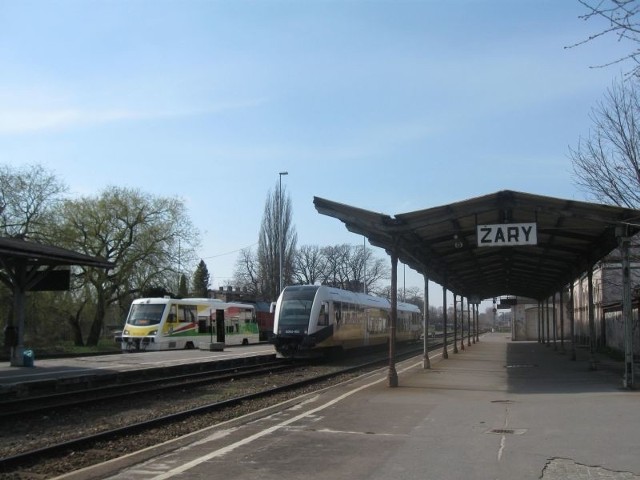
[357, 297]
[185, 301]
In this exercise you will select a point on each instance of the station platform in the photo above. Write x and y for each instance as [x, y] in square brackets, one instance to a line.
[497, 410]
[76, 373]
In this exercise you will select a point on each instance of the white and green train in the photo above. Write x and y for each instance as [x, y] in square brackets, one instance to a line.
[171, 324]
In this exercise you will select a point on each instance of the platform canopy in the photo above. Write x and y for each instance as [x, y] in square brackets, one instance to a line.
[445, 243]
[26, 265]
[14, 250]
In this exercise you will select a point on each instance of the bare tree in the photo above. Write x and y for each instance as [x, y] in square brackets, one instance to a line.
[276, 221]
[29, 196]
[247, 272]
[337, 256]
[376, 270]
[620, 18]
[606, 165]
[310, 265]
[350, 268]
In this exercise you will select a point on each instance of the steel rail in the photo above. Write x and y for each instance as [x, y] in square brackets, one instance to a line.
[109, 392]
[87, 442]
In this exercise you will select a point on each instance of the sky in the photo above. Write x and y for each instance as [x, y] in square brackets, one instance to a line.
[391, 106]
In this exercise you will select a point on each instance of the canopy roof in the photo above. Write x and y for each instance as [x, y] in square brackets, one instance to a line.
[442, 242]
[37, 254]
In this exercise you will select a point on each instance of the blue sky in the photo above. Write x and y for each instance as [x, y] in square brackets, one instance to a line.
[390, 106]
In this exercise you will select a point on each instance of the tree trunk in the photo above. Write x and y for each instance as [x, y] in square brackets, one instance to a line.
[98, 321]
[74, 323]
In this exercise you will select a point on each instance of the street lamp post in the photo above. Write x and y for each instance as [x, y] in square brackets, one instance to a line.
[280, 227]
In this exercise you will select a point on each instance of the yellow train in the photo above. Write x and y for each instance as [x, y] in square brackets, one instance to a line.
[169, 324]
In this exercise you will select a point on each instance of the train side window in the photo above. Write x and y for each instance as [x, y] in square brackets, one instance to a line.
[172, 317]
[187, 313]
[323, 318]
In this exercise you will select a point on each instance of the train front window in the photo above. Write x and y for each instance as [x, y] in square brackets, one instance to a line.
[295, 309]
[143, 314]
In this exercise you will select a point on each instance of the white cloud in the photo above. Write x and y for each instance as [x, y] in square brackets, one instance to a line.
[26, 121]
[22, 121]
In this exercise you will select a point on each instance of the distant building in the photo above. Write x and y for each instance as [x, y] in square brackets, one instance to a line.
[607, 302]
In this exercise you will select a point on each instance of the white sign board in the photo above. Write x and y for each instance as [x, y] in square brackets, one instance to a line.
[507, 235]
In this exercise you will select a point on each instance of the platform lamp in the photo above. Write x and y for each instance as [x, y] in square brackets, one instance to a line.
[280, 227]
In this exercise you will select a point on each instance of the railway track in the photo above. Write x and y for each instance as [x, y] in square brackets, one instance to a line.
[80, 450]
[41, 403]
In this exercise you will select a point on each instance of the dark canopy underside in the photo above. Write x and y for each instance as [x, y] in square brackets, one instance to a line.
[13, 250]
[441, 242]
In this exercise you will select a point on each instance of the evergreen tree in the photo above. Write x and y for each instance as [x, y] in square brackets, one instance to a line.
[200, 286]
[183, 291]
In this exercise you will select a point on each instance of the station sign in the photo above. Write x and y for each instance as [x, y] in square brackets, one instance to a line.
[474, 300]
[507, 235]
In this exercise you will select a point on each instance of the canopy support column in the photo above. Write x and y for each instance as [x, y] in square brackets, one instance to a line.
[426, 362]
[445, 353]
[468, 324]
[625, 242]
[555, 324]
[477, 335]
[562, 350]
[572, 318]
[19, 297]
[540, 324]
[393, 375]
[592, 323]
[461, 323]
[455, 323]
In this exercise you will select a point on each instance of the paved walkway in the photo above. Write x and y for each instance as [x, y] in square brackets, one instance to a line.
[552, 418]
[498, 410]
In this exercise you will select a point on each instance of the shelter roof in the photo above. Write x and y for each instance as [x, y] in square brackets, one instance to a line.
[12, 249]
[442, 243]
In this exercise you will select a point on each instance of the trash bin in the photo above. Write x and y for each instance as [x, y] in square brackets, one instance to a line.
[27, 358]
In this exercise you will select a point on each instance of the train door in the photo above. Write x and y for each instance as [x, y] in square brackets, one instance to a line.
[172, 318]
[323, 316]
[366, 327]
[337, 314]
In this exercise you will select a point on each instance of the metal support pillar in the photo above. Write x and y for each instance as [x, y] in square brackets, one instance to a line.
[393, 375]
[477, 324]
[474, 333]
[541, 321]
[445, 353]
[562, 350]
[546, 310]
[455, 323]
[19, 300]
[468, 325]
[426, 362]
[461, 323]
[592, 324]
[627, 318]
[572, 318]
[555, 324]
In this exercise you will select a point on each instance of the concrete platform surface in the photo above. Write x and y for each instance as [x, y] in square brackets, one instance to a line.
[498, 410]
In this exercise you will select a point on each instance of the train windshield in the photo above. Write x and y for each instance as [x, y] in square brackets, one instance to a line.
[295, 309]
[142, 314]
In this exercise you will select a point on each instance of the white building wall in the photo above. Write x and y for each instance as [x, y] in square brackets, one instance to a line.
[526, 324]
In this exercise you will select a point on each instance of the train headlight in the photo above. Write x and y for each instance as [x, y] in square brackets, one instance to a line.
[153, 332]
[126, 332]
